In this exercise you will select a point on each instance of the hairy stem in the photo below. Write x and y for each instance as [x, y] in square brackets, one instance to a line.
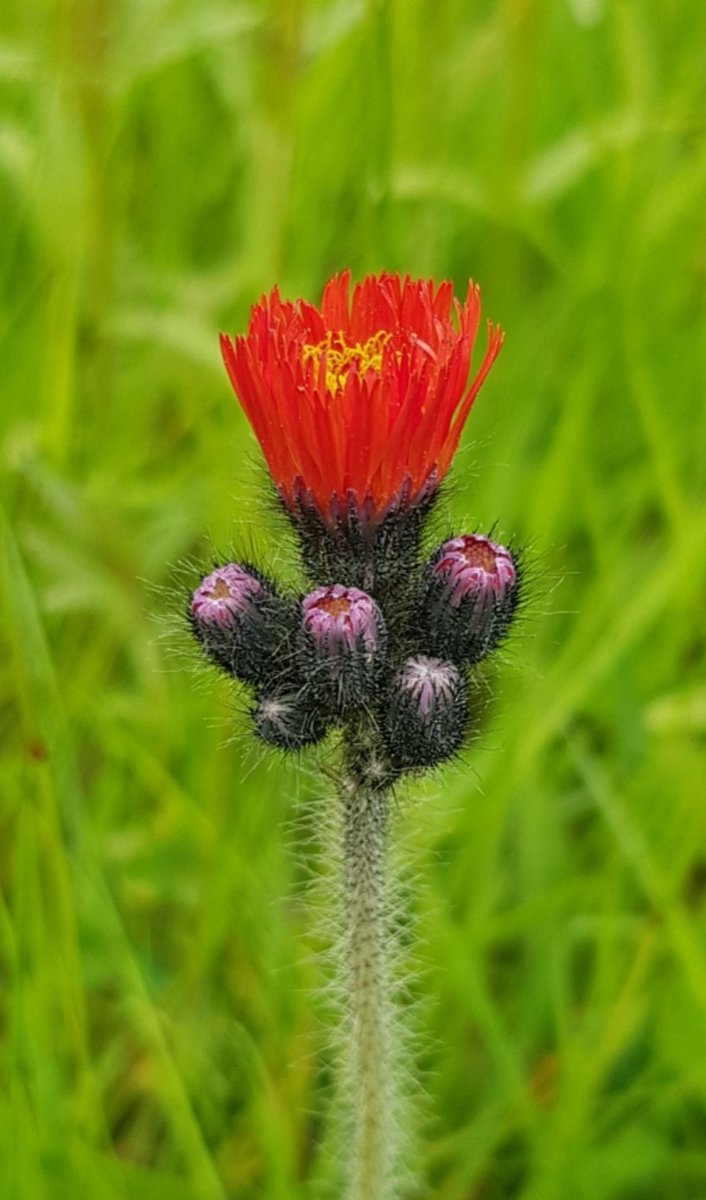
[369, 1031]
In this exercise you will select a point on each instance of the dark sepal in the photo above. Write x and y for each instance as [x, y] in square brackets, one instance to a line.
[351, 545]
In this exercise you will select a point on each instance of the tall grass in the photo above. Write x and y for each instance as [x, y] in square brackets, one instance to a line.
[161, 163]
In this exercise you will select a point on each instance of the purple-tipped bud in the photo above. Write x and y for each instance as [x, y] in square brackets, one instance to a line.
[223, 595]
[289, 721]
[240, 621]
[427, 712]
[471, 594]
[342, 645]
[472, 565]
[342, 619]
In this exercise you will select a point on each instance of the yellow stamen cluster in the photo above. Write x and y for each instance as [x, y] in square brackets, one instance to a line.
[365, 356]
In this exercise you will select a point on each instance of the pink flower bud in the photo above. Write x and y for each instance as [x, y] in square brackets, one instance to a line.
[223, 595]
[471, 594]
[342, 644]
[427, 712]
[243, 625]
[341, 619]
[473, 566]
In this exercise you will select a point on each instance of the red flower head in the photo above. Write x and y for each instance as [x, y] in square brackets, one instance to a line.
[362, 401]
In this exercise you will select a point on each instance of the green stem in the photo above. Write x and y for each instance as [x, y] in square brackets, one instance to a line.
[368, 978]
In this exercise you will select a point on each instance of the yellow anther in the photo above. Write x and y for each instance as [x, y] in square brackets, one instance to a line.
[339, 355]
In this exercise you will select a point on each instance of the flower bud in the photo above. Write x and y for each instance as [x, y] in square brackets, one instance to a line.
[342, 645]
[426, 713]
[471, 592]
[240, 621]
[289, 720]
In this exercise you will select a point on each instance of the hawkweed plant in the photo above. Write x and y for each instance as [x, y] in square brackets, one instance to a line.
[358, 406]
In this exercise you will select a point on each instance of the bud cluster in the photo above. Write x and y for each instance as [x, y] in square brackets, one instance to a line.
[397, 651]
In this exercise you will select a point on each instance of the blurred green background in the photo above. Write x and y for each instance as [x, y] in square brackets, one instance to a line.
[161, 163]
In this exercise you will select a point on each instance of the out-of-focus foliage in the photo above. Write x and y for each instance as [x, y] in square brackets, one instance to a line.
[161, 163]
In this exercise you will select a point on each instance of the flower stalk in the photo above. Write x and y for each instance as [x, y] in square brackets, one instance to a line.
[369, 1053]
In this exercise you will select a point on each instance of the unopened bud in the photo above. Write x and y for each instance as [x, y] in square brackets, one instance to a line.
[290, 721]
[342, 644]
[471, 595]
[427, 712]
[240, 621]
